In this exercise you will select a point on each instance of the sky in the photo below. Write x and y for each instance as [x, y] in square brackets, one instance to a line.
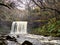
[20, 5]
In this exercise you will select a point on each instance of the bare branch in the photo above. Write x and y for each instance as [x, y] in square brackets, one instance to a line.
[42, 6]
[37, 4]
[4, 5]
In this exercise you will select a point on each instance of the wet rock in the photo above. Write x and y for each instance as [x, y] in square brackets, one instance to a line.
[11, 38]
[27, 43]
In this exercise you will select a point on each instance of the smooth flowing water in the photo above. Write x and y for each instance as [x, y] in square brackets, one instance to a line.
[19, 27]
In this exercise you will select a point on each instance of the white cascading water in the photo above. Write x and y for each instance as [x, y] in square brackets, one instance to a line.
[19, 27]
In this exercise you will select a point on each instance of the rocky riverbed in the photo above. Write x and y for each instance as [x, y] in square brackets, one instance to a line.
[43, 40]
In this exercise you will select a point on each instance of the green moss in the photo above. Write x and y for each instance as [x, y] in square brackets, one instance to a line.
[50, 29]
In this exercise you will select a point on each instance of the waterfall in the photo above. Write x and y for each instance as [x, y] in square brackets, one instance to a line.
[19, 27]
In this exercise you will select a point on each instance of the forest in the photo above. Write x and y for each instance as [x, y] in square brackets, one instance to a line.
[43, 16]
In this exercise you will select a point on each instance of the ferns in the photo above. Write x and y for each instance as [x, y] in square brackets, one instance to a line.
[52, 28]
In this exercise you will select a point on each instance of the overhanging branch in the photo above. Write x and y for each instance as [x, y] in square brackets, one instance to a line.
[5, 5]
[43, 7]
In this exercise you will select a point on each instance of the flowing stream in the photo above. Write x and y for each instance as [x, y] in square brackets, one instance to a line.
[19, 31]
[20, 28]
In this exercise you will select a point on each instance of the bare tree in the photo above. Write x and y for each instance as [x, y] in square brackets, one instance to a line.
[7, 4]
[4, 5]
[44, 4]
